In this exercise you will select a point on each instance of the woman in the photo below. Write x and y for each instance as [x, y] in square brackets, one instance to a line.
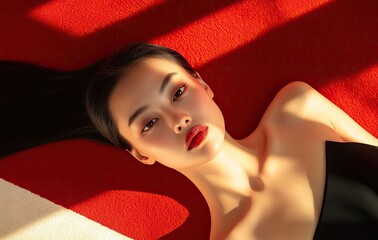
[273, 184]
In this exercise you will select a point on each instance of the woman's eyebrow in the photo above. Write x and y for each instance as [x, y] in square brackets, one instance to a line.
[163, 86]
[166, 81]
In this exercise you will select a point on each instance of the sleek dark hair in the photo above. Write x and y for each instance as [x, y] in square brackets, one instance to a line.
[40, 105]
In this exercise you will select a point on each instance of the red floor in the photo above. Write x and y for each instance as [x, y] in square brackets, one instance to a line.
[245, 50]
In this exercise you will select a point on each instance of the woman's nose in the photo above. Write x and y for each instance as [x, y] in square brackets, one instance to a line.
[182, 122]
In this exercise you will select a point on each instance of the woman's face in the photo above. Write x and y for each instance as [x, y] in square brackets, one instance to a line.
[156, 103]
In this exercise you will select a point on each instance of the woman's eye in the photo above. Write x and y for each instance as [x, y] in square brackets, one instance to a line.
[149, 125]
[179, 92]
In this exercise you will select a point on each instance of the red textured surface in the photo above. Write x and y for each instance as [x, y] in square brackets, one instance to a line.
[245, 50]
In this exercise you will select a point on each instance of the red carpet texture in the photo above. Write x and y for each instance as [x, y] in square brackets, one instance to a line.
[245, 50]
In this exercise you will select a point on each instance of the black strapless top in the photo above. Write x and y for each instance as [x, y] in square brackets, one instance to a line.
[350, 203]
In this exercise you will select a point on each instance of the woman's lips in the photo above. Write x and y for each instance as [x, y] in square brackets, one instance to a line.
[195, 136]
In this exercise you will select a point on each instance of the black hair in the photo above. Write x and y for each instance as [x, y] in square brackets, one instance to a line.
[39, 105]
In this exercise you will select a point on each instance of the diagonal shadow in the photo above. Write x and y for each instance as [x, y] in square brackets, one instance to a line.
[335, 41]
[144, 26]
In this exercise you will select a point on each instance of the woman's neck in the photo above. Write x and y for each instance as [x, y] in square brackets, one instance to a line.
[228, 181]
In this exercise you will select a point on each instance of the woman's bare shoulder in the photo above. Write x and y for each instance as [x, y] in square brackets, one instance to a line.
[294, 89]
[293, 106]
[299, 102]
[294, 99]
[288, 106]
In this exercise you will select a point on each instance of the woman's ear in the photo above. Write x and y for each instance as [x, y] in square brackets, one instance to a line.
[140, 157]
[205, 86]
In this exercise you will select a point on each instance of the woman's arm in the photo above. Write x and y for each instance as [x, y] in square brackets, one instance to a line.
[346, 128]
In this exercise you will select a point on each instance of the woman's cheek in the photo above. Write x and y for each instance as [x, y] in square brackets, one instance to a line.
[197, 101]
[205, 106]
[159, 139]
[162, 148]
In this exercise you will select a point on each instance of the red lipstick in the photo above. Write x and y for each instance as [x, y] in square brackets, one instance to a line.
[195, 136]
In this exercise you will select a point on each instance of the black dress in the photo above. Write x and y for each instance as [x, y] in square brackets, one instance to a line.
[350, 203]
